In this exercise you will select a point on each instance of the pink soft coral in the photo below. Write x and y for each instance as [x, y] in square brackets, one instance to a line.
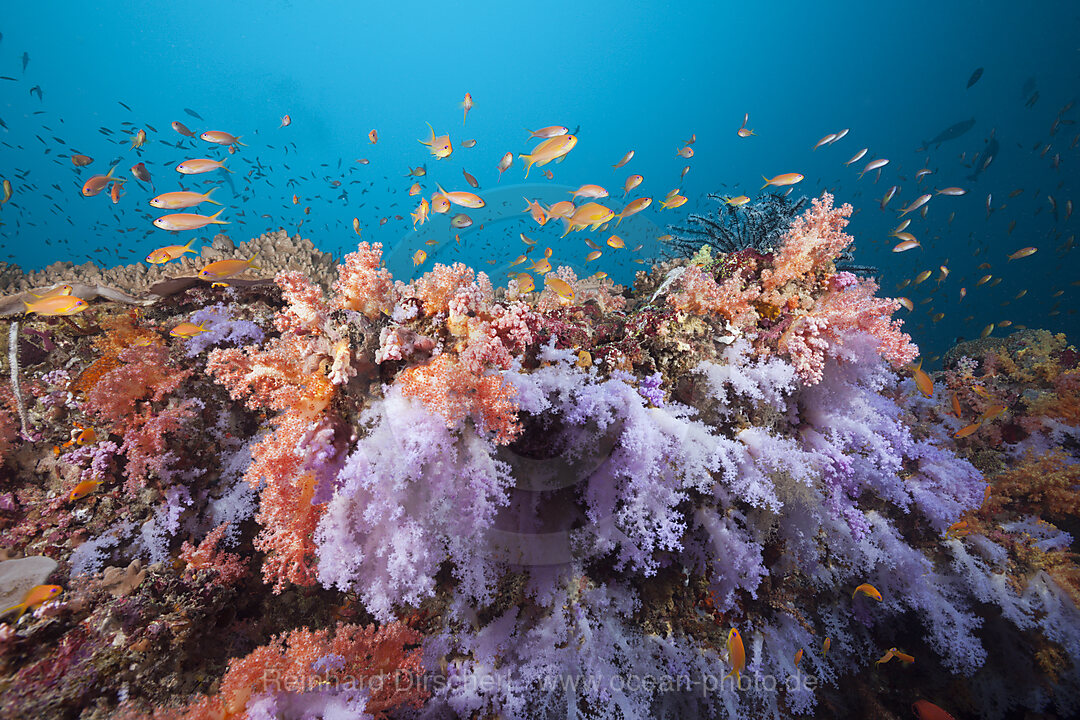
[699, 294]
[363, 285]
[450, 288]
[813, 240]
[207, 556]
[145, 375]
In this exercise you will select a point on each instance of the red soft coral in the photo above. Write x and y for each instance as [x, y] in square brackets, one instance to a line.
[699, 294]
[144, 375]
[226, 567]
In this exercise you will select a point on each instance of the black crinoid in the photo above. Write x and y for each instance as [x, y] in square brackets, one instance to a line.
[758, 225]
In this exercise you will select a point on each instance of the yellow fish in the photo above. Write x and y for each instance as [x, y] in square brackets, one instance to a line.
[34, 596]
[868, 590]
[440, 146]
[187, 330]
[560, 287]
[223, 269]
[635, 206]
[189, 221]
[83, 489]
[419, 257]
[551, 149]
[182, 199]
[525, 283]
[736, 654]
[590, 215]
[56, 305]
[169, 252]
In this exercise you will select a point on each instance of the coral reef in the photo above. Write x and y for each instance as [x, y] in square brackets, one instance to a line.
[357, 496]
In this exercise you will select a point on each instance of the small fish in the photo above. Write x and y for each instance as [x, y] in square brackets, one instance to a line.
[634, 207]
[138, 139]
[420, 171]
[625, 159]
[56, 305]
[468, 143]
[868, 590]
[9, 191]
[286, 121]
[782, 180]
[182, 199]
[1023, 253]
[631, 182]
[673, 202]
[563, 209]
[825, 645]
[958, 529]
[466, 105]
[922, 276]
[955, 406]
[169, 252]
[39, 593]
[824, 141]
[525, 283]
[439, 203]
[193, 114]
[541, 266]
[923, 382]
[595, 254]
[187, 330]
[470, 179]
[929, 711]
[81, 160]
[798, 657]
[686, 152]
[551, 149]
[223, 269]
[419, 257]
[560, 287]
[992, 412]
[906, 245]
[857, 156]
[420, 214]
[737, 201]
[97, 183]
[920, 174]
[356, 225]
[906, 302]
[889, 195]
[548, 132]
[83, 489]
[462, 198]
[736, 654]
[874, 165]
[916, 204]
[966, 431]
[616, 242]
[188, 221]
[518, 260]
[461, 220]
[537, 211]
[182, 129]
[589, 191]
[744, 132]
[197, 166]
[987, 331]
[894, 653]
[526, 239]
[373, 136]
[219, 137]
[414, 190]
[114, 193]
[139, 171]
[440, 145]
[505, 163]
[952, 191]
[975, 77]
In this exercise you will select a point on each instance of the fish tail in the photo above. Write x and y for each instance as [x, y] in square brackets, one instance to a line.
[528, 163]
[214, 218]
[207, 196]
[187, 248]
[762, 187]
[222, 166]
[251, 262]
[240, 143]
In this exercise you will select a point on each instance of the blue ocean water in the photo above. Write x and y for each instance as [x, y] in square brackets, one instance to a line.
[628, 75]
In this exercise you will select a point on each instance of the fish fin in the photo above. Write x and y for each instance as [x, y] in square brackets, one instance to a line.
[222, 166]
[251, 261]
[528, 164]
[187, 248]
[207, 196]
[214, 218]
[240, 143]
[762, 187]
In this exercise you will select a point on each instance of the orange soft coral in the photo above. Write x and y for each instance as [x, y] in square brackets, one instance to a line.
[363, 285]
[1047, 486]
[449, 389]
[699, 294]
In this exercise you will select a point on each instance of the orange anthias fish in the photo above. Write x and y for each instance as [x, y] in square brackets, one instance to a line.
[868, 590]
[169, 252]
[34, 596]
[673, 201]
[83, 489]
[737, 201]
[55, 305]
[894, 653]
[782, 180]
[1023, 253]
[419, 257]
[187, 330]
[81, 160]
[420, 215]
[439, 203]
[440, 145]
[466, 105]
[220, 137]
[537, 211]
[286, 121]
[182, 199]
[223, 269]
[197, 166]
[798, 657]
[631, 182]
[966, 431]
[188, 221]
[182, 129]
[462, 198]
[551, 149]
[97, 183]
[138, 139]
[736, 654]
[548, 132]
[505, 163]
[589, 191]
[560, 287]
[414, 190]
[923, 381]
[561, 209]
[635, 206]
[114, 193]
[590, 215]
[625, 159]
[373, 136]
